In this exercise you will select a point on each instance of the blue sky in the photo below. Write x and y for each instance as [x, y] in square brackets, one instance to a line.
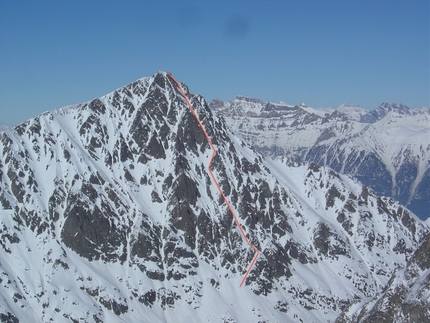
[323, 53]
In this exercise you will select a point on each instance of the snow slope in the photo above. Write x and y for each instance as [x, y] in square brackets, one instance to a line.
[405, 299]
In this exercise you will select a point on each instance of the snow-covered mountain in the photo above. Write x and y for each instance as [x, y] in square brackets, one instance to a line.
[108, 214]
[387, 149]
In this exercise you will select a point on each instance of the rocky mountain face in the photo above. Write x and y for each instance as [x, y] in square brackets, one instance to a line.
[108, 214]
[404, 299]
[387, 149]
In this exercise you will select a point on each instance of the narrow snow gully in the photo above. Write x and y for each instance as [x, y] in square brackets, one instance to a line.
[216, 182]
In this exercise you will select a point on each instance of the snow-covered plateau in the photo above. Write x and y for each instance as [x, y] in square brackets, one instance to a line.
[108, 214]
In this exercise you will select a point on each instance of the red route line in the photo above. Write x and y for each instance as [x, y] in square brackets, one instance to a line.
[216, 182]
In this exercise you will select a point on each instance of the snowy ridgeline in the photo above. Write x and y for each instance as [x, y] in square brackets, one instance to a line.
[108, 214]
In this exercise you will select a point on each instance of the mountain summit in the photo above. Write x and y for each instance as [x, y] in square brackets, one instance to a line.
[108, 214]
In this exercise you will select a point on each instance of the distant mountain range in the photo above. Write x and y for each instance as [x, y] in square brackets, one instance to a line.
[108, 214]
[387, 149]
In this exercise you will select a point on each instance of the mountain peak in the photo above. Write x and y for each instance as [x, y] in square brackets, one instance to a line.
[111, 206]
[385, 108]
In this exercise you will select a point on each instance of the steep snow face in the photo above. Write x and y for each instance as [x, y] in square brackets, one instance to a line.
[108, 214]
[387, 149]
